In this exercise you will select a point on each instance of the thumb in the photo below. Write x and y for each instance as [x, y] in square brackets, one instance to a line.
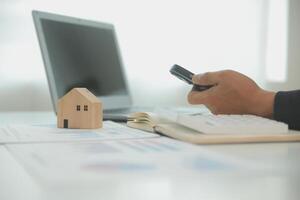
[208, 78]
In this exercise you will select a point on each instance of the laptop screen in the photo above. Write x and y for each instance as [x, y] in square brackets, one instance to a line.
[81, 53]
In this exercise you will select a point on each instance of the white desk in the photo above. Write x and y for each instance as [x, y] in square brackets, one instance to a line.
[16, 183]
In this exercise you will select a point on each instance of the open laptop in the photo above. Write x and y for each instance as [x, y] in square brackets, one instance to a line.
[83, 53]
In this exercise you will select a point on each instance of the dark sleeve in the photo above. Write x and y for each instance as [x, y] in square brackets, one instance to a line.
[287, 108]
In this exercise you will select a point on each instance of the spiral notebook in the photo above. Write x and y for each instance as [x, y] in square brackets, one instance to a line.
[178, 126]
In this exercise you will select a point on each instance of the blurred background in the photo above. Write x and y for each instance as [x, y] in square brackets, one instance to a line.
[259, 38]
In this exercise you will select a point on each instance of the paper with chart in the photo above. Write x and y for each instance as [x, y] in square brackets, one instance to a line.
[50, 133]
[60, 163]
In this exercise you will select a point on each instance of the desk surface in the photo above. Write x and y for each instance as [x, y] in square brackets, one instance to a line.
[16, 183]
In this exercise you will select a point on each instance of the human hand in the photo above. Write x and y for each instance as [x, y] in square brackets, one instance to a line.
[233, 93]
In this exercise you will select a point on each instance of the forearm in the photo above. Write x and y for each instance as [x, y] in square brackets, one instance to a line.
[287, 108]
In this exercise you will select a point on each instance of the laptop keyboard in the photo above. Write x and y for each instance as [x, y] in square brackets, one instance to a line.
[127, 110]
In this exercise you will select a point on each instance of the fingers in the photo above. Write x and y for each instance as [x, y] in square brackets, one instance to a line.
[208, 97]
[208, 78]
[195, 97]
[204, 98]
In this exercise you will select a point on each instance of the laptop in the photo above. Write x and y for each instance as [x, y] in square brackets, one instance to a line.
[84, 53]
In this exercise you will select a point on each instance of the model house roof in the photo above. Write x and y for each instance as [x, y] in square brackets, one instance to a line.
[85, 93]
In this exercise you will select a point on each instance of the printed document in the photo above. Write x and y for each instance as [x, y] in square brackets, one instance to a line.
[50, 133]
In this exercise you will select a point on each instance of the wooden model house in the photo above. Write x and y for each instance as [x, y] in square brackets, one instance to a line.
[79, 108]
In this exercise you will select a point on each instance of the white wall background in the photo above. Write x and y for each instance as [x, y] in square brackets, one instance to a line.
[203, 35]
